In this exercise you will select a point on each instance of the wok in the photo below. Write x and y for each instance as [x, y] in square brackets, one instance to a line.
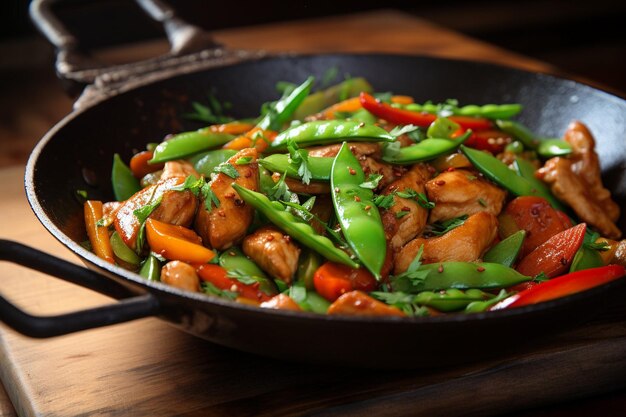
[77, 153]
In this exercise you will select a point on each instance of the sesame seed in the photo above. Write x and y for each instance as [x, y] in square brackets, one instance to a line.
[440, 269]
[367, 207]
[357, 198]
[480, 269]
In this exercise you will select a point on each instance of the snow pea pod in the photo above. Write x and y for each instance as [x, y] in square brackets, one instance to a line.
[122, 179]
[151, 269]
[586, 258]
[460, 275]
[206, 162]
[122, 251]
[506, 251]
[498, 172]
[319, 166]
[526, 170]
[548, 148]
[519, 131]
[490, 111]
[285, 107]
[235, 261]
[355, 209]
[186, 144]
[322, 99]
[450, 300]
[307, 265]
[480, 306]
[425, 150]
[302, 232]
[330, 131]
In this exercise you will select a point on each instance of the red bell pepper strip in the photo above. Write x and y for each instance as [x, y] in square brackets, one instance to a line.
[555, 255]
[490, 140]
[562, 286]
[407, 117]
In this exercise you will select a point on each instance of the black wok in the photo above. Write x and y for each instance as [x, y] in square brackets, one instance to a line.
[77, 154]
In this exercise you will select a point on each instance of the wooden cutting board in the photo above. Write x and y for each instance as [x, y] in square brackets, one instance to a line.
[149, 368]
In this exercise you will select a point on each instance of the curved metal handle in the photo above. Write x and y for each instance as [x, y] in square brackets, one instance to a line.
[47, 326]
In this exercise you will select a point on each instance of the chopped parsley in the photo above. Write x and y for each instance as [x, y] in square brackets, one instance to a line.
[300, 158]
[211, 289]
[371, 182]
[413, 274]
[244, 160]
[227, 169]
[142, 215]
[242, 277]
[384, 201]
[421, 198]
[400, 214]
[441, 228]
[482, 202]
[212, 113]
[402, 130]
[280, 191]
[402, 301]
[209, 197]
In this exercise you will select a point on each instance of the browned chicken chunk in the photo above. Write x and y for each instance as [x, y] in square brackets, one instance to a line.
[466, 243]
[576, 181]
[273, 251]
[459, 192]
[357, 148]
[401, 227]
[180, 168]
[281, 302]
[181, 275]
[357, 303]
[223, 226]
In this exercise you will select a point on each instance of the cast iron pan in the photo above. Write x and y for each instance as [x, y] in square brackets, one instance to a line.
[77, 154]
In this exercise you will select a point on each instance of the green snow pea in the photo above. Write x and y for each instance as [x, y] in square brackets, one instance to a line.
[519, 131]
[236, 263]
[586, 258]
[357, 214]
[450, 300]
[319, 166]
[285, 107]
[489, 111]
[425, 150]
[122, 179]
[553, 147]
[320, 100]
[151, 269]
[307, 265]
[308, 300]
[526, 170]
[442, 128]
[498, 172]
[480, 306]
[266, 183]
[460, 275]
[186, 144]
[506, 251]
[330, 131]
[206, 162]
[302, 232]
[122, 251]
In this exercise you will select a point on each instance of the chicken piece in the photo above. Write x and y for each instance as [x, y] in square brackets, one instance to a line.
[574, 191]
[357, 303]
[389, 172]
[297, 186]
[586, 165]
[399, 230]
[225, 225]
[176, 207]
[181, 275]
[281, 302]
[466, 243]
[619, 257]
[323, 209]
[357, 148]
[180, 168]
[460, 191]
[273, 251]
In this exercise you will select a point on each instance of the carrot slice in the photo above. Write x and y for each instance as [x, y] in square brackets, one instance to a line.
[176, 243]
[98, 235]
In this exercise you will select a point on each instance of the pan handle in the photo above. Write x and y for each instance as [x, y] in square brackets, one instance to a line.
[131, 308]
[191, 48]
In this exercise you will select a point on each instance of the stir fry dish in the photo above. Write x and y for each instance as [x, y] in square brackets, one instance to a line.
[348, 202]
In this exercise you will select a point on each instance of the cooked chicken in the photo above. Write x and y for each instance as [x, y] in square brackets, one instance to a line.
[297, 186]
[176, 207]
[273, 251]
[226, 225]
[460, 192]
[357, 303]
[323, 209]
[620, 254]
[357, 148]
[400, 227]
[281, 302]
[180, 168]
[569, 187]
[389, 172]
[180, 274]
[465, 243]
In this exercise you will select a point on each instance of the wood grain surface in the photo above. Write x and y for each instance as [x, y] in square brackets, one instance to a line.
[149, 368]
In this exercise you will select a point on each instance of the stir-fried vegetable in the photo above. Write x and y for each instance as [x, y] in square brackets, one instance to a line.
[346, 201]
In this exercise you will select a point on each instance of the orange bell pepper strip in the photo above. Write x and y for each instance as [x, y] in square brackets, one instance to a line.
[139, 164]
[176, 243]
[561, 286]
[350, 106]
[232, 128]
[402, 99]
[218, 276]
[98, 235]
[255, 137]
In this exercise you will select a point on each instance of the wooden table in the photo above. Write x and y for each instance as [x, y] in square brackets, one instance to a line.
[148, 368]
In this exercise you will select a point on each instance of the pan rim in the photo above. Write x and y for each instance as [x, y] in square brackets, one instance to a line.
[158, 287]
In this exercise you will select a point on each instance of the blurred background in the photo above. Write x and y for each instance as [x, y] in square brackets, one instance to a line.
[586, 39]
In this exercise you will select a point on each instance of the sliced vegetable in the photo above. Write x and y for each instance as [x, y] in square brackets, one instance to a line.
[124, 182]
[586, 258]
[186, 144]
[176, 243]
[358, 216]
[98, 235]
[425, 150]
[139, 164]
[506, 251]
[318, 166]
[553, 147]
[555, 255]
[239, 265]
[122, 251]
[526, 170]
[218, 277]
[283, 109]
[562, 286]
[330, 131]
[206, 162]
[331, 280]
[151, 269]
[255, 138]
[339, 94]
